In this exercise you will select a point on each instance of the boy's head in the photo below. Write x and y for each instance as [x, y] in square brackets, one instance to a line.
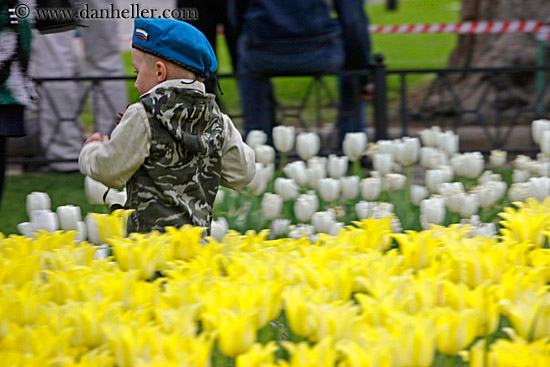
[164, 49]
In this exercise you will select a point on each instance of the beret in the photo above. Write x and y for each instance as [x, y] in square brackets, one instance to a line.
[175, 41]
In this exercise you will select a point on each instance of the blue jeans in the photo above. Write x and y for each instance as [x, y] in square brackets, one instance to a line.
[257, 99]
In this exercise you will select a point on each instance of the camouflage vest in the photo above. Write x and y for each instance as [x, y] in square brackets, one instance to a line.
[178, 181]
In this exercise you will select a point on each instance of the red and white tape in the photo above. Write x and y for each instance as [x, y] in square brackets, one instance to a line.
[481, 27]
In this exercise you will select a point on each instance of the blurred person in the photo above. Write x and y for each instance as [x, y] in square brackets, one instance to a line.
[301, 36]
[53, 55]
[15, 87]
[212, 13]
[173, 148]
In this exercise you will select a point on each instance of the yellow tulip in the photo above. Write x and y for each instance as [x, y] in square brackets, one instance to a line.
[185, 241]
[529, 315]
[112, 225]
[457, 329]
[322, 354]
[525, 224]
[258, 355]
[237, 331]
[139, 252]
[413, 340]
[418, 248]
[370, 234]
[484, 300]
[337, 320]
[519, 353]
[355, 355]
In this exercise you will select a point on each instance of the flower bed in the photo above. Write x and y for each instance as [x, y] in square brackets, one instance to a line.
[364, 297]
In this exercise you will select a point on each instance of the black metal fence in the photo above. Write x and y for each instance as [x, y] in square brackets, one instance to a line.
[492, 107]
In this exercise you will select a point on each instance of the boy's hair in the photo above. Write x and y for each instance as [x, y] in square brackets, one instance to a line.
[173, 71]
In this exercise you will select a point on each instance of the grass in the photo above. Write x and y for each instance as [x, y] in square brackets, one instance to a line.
[63, 189]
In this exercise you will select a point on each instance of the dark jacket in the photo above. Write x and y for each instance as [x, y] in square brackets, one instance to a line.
[270, 22]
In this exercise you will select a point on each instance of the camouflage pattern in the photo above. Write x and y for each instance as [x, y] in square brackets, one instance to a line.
[178, 182]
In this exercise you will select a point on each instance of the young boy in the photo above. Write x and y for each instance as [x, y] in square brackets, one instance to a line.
[174, 147]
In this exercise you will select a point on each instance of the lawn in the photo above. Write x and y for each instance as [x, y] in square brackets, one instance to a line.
[401, 51]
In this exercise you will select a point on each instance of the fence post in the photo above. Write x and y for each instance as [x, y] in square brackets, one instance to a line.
[380, 98]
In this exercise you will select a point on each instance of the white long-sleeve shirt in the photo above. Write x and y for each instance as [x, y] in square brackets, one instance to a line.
[115, 161]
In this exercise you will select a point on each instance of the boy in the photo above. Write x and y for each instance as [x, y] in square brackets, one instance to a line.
[174, 147]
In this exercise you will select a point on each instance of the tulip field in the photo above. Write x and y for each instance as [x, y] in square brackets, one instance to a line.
[430, 258]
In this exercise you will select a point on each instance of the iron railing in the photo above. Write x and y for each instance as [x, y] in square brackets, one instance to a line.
[500, 107]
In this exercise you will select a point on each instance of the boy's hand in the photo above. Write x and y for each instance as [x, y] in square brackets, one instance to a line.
[96, 137]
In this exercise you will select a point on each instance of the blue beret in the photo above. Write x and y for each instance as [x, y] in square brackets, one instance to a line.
[175, 41]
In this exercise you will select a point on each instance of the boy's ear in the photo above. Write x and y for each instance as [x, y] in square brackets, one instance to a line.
[160, 71]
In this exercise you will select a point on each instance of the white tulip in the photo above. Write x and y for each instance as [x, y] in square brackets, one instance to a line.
[272, 205]
[448, 143]
[37, 201]
[382, 162]
[220, 196]
[430, 136]
[287, 188]
[388, 147]
[307, 145]
[264, 154]
[408, 151]
[354, 145]
[497, 158]
[350, 187]
[304, 207]
[93, 230]
[329, 189]
[219, 228]
[279, 227]
[116, 197]
[470, 205]
[27, 229]
[337, 166]
[317, 162]
[543, 169]
[490, 193]
[336, 228]
[468, 165]
[434, 177]
[518, 192]
[539, 188]
[519, 175]
[382, 210]
[259, 181]
[94, 191]
[81, 231]
[538, 127]
[418, 193]
[101, 252]
[312, 194]
[298, 172]
[454, 201]
[300, 231]
[545, 142]
[316, 173]
[432, 211]
[322, 221]
[69, 216]
[45, 220]
[283, 138]
[364, 209]
[396, 181]
[431, 158]
[255, 138]
[450, 188]
[268, 172]
[489, 176]
[371, 188]
[448, 173]
[521, 162]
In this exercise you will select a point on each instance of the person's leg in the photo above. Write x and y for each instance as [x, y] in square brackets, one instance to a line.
[103, 59]
[256, 94]
[3, 154]
[60, 134]
[352, 109]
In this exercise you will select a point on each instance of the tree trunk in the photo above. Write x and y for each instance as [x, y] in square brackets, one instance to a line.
[492, 99]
